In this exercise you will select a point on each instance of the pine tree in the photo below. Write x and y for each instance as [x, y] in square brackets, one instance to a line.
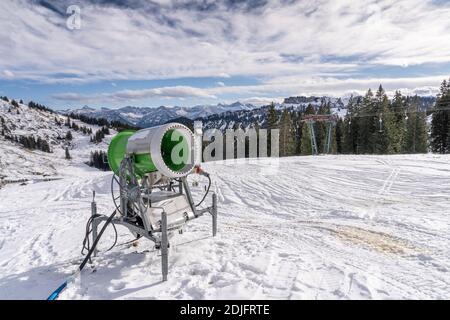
[287, 135]
[69, 136]
[338, 134]
[396, 124]
[306, 148]
[367, 123]
[350, 132]
[296, 118]
[272, 117]
[98, 137]
[39, 143]
[15, 104]
[46, 146]
[99, 160]
[68, 157]
[74, 126]
[320, 128]
[416, 128]
[309, 110]
[440, 124]
[382, 122]
[272, 123]
[421, 144]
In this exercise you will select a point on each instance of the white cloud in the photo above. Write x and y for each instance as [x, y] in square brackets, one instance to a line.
[282, 86]
[312, 42]
[224, 75]
[130, 44]
[178, 92]
[8, 74]
[261, 101]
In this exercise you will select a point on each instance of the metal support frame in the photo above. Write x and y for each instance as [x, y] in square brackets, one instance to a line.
[189, 196]
[164, 246]
[314, 148]
[94, 222]
[327, 146]
[214, 214]
[330, 120]
[132, 206]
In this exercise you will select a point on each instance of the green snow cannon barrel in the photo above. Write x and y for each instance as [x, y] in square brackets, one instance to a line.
[166, 148]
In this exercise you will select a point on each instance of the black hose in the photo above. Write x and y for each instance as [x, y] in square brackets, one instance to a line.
[206, 193]
[112, 191]
[86, 240]
[94, 245]
[115, 239]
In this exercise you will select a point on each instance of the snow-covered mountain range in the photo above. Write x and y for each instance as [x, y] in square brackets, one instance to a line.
[149, 117]
[220, 116]
[217, 116]
[248, 118]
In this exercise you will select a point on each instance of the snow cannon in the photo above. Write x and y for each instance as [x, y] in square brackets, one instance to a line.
[150, 188]
[154, 199]
[167, 149]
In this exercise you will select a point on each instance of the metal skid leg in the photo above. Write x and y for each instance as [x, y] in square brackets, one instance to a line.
[214, 214]
[94, 224]
[164, 246]
[312, 132]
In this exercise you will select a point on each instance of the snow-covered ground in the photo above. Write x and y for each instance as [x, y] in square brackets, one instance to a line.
[328, 227]
[17, 162]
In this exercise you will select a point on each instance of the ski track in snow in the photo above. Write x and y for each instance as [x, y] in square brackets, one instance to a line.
[328, 227]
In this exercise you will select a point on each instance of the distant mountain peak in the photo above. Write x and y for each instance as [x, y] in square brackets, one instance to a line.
[148, 117]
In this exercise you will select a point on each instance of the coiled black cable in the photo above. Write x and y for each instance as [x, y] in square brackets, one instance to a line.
[86, 240]
[206, 193]
[94, 244]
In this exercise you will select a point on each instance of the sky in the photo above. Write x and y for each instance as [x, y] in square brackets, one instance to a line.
[101, 53]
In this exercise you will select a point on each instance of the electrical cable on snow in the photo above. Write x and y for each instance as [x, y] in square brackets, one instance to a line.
[86, 240]
[206, 193]
[56, 293]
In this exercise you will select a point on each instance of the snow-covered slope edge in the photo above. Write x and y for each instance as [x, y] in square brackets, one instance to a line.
[17, 162]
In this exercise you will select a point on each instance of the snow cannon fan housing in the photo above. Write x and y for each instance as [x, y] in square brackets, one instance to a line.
[166, 148]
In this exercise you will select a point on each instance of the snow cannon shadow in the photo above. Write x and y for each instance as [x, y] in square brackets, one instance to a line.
[33, 284]
[37, 283]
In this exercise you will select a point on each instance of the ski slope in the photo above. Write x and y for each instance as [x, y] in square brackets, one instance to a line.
[328, 227]
[18, 163]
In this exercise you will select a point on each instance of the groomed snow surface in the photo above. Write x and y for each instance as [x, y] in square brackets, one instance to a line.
[327, 227]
